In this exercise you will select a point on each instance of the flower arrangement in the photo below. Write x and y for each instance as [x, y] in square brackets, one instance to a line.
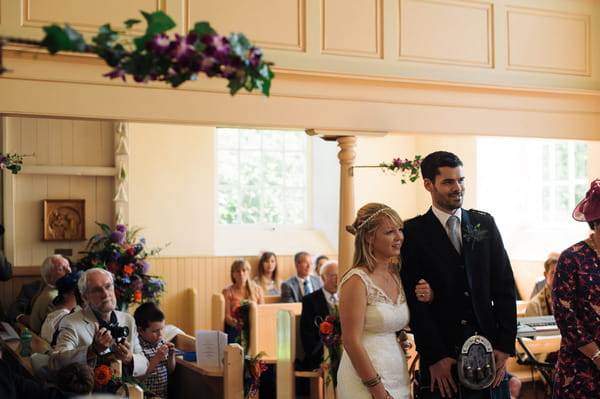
[474, 234]
[241, 313]
[330, 333]
[120, 252]
[106, 380]
[174, 60]
[407, 168]
[253, 368]
[11, 162]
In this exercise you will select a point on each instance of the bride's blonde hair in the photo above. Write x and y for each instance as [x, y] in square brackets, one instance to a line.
[368, 219]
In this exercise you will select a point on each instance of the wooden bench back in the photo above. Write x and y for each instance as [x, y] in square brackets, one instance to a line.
[263, 326]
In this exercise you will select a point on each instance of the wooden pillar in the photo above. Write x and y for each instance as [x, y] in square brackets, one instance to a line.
[347, 155]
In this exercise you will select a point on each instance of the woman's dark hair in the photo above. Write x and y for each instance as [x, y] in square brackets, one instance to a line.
[76, 378]
[147, 313]
[264, 258]
[432, 162]
[593, 223]
[65, 285]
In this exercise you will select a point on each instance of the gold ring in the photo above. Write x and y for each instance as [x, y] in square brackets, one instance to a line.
[422, 295]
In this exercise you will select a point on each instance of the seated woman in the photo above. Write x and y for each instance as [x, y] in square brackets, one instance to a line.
[320, 261]
[267, 274]
[67, 300]
[242, 289]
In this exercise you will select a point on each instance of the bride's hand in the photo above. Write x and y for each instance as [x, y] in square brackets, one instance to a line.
[423, 291]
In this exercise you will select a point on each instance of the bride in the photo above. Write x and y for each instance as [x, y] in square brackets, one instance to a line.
[373, 307]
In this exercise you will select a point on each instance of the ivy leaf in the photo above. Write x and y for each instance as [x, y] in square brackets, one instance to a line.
[158, 22]
[130, 22]
[202, 28]
[106, 36]
[59, 39]
[239, 43]
[234, 86]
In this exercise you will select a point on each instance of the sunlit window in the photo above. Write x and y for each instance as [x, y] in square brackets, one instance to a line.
[531, 187]
[261, 177]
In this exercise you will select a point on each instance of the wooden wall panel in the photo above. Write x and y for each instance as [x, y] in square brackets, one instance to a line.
[457, 32]
[86, 15]
[355, 30]
[256, 19]
[547, 41]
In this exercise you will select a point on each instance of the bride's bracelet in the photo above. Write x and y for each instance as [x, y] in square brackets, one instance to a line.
[372, 381]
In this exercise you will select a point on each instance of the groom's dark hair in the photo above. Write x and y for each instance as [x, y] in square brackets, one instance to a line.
[432, 162]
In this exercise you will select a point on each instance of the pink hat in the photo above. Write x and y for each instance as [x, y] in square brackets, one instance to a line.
[588, 209]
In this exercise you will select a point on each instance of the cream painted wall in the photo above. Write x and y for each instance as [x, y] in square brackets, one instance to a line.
[172, 186]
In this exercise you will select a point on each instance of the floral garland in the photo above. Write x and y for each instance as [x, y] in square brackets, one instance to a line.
[407, 168]
[120, 252]
[253, 366]
[174, 60]
[12, 162]
[330, 333]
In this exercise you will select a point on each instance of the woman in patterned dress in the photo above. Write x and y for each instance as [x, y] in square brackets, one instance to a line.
[576, 301]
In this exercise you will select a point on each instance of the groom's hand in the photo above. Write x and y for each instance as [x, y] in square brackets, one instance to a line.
[442, 377]
[501, 359]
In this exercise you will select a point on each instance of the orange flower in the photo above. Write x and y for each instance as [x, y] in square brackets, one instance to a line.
[236, 308]
[326, 327]
[127, 269]
[137, 296]
[102, 375]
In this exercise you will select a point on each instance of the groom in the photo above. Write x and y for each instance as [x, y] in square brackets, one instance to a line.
[460, 253]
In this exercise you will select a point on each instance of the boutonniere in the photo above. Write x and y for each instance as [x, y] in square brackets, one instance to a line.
[474, 234]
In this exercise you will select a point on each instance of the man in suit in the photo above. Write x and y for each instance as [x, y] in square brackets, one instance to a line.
[87, 334]
[461, 254]
[303, 283]
[318, 304]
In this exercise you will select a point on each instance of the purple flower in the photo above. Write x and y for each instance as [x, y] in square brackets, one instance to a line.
[233, 69]
[115, 255]
[159, 44]
[116, 237]
[255, 56]
[143, 240]
[121, 227]
[144, 266]
[217, 46]
[182, 47]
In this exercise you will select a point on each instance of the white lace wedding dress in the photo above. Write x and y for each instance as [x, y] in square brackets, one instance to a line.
[382, 319]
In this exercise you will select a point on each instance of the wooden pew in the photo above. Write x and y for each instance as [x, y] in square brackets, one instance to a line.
[190, 381]
[217, 314]
[289, 347]
[263, 327]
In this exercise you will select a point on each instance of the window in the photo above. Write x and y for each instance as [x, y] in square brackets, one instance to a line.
[531, 187]
[261, 177]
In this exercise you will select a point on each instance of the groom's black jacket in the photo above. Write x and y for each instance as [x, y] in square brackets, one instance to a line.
[473, 292]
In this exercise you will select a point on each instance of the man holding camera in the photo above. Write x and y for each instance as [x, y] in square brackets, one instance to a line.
[99, 329]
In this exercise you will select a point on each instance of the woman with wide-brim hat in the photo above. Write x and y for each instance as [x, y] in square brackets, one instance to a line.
[576, 301]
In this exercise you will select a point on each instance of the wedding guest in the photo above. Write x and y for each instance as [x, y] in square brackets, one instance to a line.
[373, 308]
[540, 282]
[20, 309]
[67, 301]
[150, 322]
[86, 335]
[461, 254]
[576, 300]
[267, 276]
[242, 289]
[15, 386]
[6, 271]
[303, 283]
[77, 378]
[53, 268]
[320, 261]
[317, 305]
[541, 304]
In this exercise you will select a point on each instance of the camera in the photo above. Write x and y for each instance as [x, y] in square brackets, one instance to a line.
[119, 333]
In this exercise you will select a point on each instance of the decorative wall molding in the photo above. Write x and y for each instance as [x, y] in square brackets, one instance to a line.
[256, 19]
[548, 41]
[353, 31]
[463, 34]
